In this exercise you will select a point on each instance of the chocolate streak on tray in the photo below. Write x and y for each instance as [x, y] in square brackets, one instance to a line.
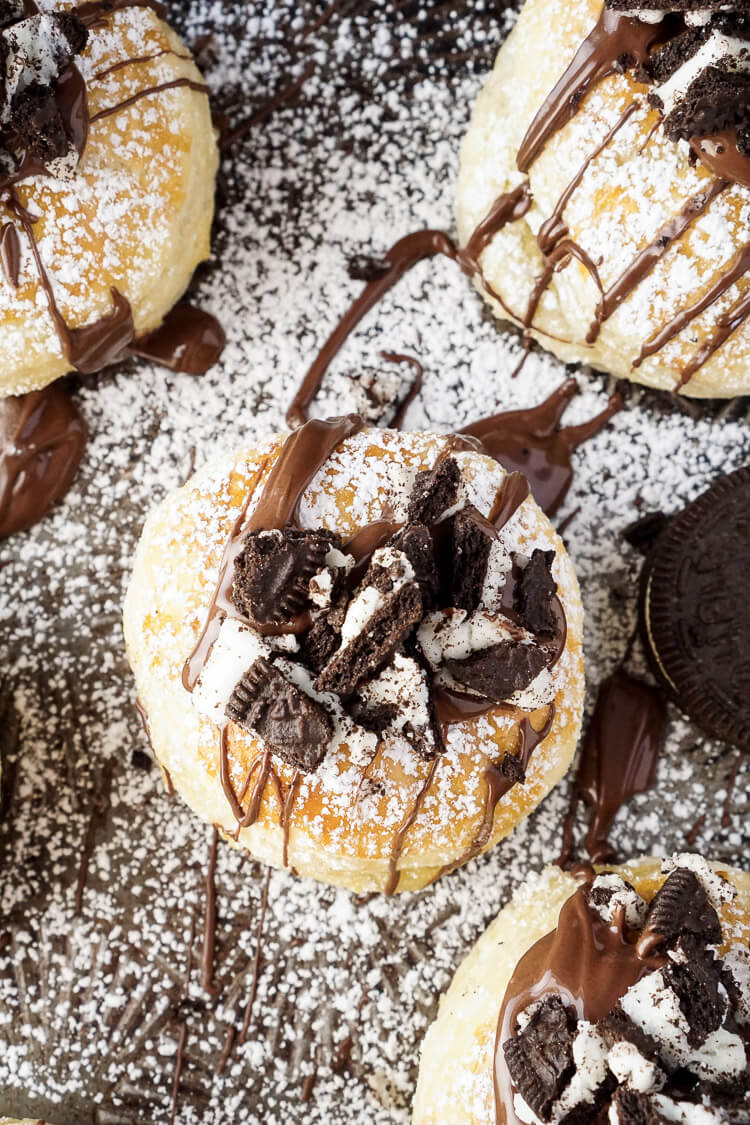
[42, 439]
[532, 442]
[209, 923]
[618, 759]
[585, 960]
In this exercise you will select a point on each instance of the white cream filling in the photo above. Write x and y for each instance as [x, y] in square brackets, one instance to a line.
[717, 48]
[634, 1070]
[622, 897]
[235, 650]
[737, 961]
[369, 600]
[402, 684]
[36, 47]
[655, 1009]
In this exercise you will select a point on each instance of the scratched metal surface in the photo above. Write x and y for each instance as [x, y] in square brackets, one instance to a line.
[94, 1002]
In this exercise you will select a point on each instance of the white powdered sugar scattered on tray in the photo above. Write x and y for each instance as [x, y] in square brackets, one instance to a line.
[92, 1006]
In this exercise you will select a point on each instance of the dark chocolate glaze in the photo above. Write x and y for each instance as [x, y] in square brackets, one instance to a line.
[189, 340]
[399, 840]
[613, 38]
[645, 261]
[303, 454]
[42, 439]
[10, 253]
[618, 759]
[721, 154]
[532, 442]
[174, 84]
[500, 783]
[586, 962]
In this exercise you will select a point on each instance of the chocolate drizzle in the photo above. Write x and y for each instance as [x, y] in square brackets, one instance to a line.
[399, 839]
[618, 759]
[652, 254]
[500, 780]
[588, 963]
[149, 91]
[614, 39]
[209, 924]
[42, 439]
[720, 153]
[532, 442]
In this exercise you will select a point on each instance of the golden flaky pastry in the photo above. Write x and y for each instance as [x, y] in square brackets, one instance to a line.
[618, 205]
[134, 215]
[369, 807]
[458, 1055]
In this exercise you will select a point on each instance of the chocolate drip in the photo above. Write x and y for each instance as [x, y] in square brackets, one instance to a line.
[614, 38]
[174, 84]
[10, 253]
[256, 961]
[401, 258]
[189, 340]
[394, 875]
[531, 442]
[42, 439]
[499, 782]
[507, 208]
[618, 760]
[589, 964]
[734, 271]
[95, 11]
[393, 357]
[303, 454]
[286, 812]
[721, 154]
[209, 924]
[726, 324]
[554, 228]
[136, 60]
[652, 254]
[557, 259]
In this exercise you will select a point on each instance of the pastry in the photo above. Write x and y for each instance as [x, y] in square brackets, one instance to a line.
[623, 997]
[107, 167]
[358, 651]
[603, 193]
[695, 608]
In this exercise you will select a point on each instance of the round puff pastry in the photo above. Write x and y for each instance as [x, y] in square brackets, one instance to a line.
[638, 183]
[346, 815]
[26, 1121]
[135, 214]
[457, 1064]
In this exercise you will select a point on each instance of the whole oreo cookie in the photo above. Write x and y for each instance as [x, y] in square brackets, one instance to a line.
[695, 606]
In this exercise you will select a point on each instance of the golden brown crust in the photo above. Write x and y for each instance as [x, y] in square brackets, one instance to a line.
[338, 833]
[640, 181]
[137, 213]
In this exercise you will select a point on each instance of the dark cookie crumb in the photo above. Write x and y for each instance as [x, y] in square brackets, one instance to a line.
[540, 1058]
[534, 593]
[497, 672]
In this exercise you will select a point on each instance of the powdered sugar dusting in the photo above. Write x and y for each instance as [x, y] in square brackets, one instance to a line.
[90, 1007]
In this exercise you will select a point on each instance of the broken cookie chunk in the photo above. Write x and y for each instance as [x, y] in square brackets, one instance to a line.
[435, 492]
[680, 907]
[385, 608]
[272, 574]
[534, 595]
[292, 725]
[498, 672]
[398, 703]
[471, 540]
[540, 1057]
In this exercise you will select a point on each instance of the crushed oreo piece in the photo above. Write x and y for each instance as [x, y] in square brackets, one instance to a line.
[512, 768]
[498, 672]
[644, 532]
[634, 1108]
[294, 726]
[417, 544]
[377, 393]
[273, 572]
[471, 540]
[398, 703]
[540, 1058]
[610, 895]
[362, 267]
[694, 978]
[372, 715]
[534, 593]
[435, 492]
[35, 54]
[617, 1027]
[682, 907]
[385, 608]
